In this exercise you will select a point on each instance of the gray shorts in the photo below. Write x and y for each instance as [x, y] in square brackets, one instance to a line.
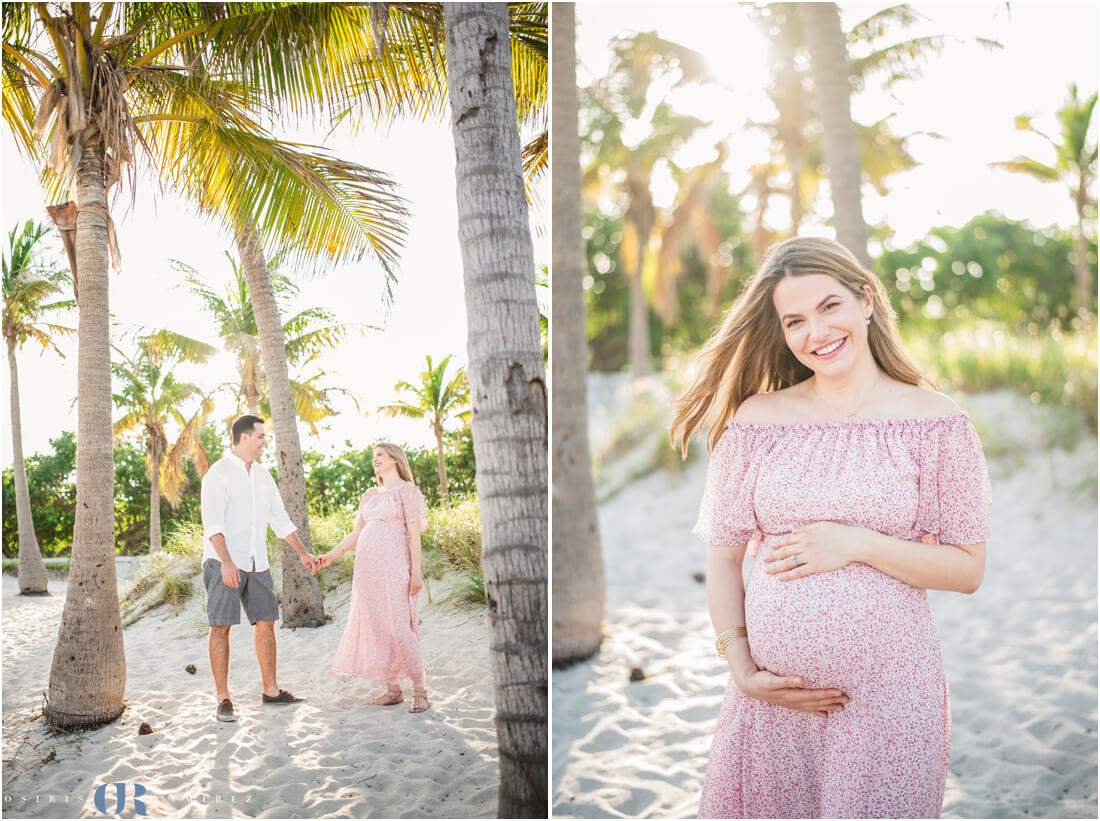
[256, 592]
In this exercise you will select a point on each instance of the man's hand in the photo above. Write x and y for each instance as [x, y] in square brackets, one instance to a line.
[230, 574]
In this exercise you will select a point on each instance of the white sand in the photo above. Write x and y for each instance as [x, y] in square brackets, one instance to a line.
[1020, 654]
[334, 756]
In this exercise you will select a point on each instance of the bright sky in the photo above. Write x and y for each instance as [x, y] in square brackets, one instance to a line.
[968, 94]
[428, 315]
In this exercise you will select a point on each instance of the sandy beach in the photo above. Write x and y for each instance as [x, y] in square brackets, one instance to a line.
[334, 756]
[1020, 654]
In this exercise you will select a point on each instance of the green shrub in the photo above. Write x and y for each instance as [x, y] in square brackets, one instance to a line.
[1056, 370]
[453, 539]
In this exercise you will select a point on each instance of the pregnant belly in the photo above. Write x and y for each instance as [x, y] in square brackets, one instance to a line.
[840, 629]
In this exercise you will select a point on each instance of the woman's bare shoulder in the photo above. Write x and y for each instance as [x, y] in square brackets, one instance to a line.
[925, 402]
[773, 406]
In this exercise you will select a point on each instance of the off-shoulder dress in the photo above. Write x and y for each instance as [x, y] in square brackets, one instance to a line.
[856, 628]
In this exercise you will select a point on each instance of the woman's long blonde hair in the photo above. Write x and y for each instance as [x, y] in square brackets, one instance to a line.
[748, 354]
[397, 453]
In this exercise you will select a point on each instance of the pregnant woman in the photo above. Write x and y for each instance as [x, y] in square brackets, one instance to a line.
[382, 639]
[857, 489]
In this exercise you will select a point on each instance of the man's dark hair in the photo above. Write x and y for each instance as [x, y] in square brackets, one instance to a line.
[244, 424]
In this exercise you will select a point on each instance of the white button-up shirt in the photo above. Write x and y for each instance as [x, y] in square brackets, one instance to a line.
[240, 503]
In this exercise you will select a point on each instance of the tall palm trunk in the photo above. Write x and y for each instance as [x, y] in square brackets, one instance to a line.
[301, 601]
[641, 214]
[579, 587]
[88, 675]
[839, 144]
[507, 391]
[154, 502]
[32, 570]
[1082, 269]
[441, 461]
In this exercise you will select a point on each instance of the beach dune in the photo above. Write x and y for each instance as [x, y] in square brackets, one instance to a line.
[1020, 654]
[333, 756]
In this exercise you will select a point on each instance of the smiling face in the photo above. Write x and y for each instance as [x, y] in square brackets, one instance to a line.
[251, 445]
[382, 462]
[824, 323]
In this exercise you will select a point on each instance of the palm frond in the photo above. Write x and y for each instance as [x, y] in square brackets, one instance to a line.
[312, 201]
[1033, 168]
[402, 409]
[180, 346]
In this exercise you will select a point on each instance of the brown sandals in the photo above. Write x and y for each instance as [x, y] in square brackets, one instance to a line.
[420, 701]
[385, 699]
[393, 695]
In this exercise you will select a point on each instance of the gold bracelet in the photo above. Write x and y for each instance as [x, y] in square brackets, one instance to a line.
[727, 636]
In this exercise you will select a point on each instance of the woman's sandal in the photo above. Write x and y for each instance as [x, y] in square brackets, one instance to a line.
[390, 696]
[420, 701]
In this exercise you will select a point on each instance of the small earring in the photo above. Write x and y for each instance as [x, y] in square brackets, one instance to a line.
[868, 320]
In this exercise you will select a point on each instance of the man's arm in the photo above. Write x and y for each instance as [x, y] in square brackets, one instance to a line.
[284, 528]
[213, 501]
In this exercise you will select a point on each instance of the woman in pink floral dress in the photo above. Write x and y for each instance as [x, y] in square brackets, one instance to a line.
[858, 489]
[382, 638]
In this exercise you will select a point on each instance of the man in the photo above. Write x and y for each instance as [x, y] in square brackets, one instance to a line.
[239, 500]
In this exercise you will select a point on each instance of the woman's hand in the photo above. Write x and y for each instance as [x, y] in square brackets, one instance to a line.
[787, 691]
[328, 558]
[415, 582]
[820, 547]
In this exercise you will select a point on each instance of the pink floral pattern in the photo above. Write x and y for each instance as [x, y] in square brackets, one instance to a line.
[382, 638]
[855, 629]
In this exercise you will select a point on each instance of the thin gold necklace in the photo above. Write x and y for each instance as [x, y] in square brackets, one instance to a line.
[878, 376]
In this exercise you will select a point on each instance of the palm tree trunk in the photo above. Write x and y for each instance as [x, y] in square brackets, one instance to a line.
[639, 321]
[32, 570]
[88, 674]
[154, 503]
[1082, 269]
[579, 587]
[830, 71]
[301, 595]
[507, 390]
[442, 462]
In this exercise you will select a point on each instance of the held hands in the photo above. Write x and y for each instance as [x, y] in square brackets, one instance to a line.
[820, 547]
[310, 562]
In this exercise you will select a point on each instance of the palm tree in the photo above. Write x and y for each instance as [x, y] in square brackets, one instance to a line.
[151, 396]
[508, 388]
[795, 168]
[308, 333]
[1074, 165]
[93, 89]
[830, 70]
[639, 61]
[27, 284]
[579, 587]
[438, 400]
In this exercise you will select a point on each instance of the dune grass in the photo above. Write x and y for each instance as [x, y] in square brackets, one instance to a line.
[1056, 370]
[166, 577]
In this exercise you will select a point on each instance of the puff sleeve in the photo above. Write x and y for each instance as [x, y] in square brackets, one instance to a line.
[413, 506]
[726, 514]
[955, 494]
[360, 521]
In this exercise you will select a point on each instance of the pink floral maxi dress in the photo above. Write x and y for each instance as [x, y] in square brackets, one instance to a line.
[382, 639]
[856, 629]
